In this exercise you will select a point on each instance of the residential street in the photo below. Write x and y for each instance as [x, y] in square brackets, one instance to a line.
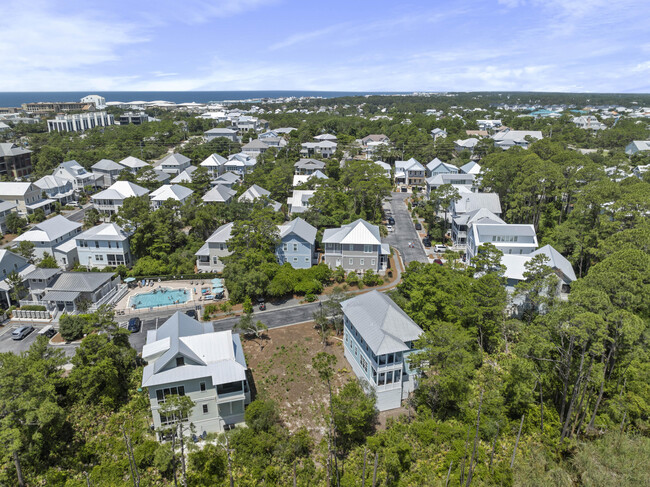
[405, 231]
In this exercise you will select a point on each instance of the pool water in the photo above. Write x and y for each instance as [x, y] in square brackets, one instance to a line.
[160, 297]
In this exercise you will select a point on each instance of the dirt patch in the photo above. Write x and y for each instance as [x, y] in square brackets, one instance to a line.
[282, 371]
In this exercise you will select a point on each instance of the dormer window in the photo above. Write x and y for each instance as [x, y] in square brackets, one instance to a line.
[180, 361]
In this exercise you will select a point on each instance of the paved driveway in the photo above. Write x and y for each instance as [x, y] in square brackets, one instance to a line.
[405, 231]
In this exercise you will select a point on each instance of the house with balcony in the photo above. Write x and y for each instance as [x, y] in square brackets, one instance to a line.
[188, 358]
[297, 244]
[57, 189]
[174, 192]
[355, 247]
[516, 138]
[133, 164]
[464, 183]
[173, 164]
[515, 267]
[509, 238]
[109, 201]
[75, 173]
[240, 163]
[460, 223]
[308, 166]
[324, 148]
[106, 172]
[378, 337]
[216, 133]
[106, 245]
[214, 163]
[209, 256]
[26, 196]
[409, 173]
[55, 237]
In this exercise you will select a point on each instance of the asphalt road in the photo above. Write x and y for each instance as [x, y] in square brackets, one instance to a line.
[77, 215]
[404, 231]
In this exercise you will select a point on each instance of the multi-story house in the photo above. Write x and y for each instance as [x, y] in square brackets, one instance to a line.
[637, 146]
[410, 173]
[214, 163]
[508, 238]
[185, 176]
[240, 163]
[209, 256]
[468, 202]
[174, 192]
[378, 337]
[219, 194]
[256, 192]
[255, 147]
[436, 167]
[325, 148]
[80, 122]
[26, 196]
[75, 173]
[15, 162]
[106, 245]
[460, 223]
[173, 164]
[308, 166]
[55, 237]
[133, 118]
[465, 183]
[521, 138]
[188, 358]
[355, 247]
[6, 208]
[111, 199]
[472, 167]
[298, 202]
[106, 172]
[228, 179]
[10, 262]
[56, 188]
[297, 244]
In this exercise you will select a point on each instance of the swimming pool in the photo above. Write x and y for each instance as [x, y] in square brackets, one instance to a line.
[160, 297]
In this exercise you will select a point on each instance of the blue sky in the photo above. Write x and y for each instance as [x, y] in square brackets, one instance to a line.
[352, 45]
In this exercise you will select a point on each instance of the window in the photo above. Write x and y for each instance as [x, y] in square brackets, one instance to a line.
[96, 244]
[162, 394]
[295, 259]
[351, 262]
[202, 386]
[373, 261]
[367, 249]
[382, 360]
[361, 261]
[229, 388]
[171, 417]
[295, 247]
[180, 361]
[398, 375]
[205, 409]
[382, 379]
[306, 259]
[510, 251]
[364, 364]
[389, 378]
[285, 247]
[99, 257]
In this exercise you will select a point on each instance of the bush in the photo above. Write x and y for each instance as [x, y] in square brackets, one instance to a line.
[372, 279]
[71, 327]
[352, 279]
[226, 307]
[310, 298]
[33, 307]
[339, 274]
[308, 286]
[262, 415]
[247, 305]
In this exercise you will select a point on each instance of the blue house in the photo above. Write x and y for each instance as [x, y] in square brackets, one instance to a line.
[377, 340]
[297, 246]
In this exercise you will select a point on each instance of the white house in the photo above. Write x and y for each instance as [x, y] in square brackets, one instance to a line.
[106, 172]
[227, 179]
[488, 124]
[325, 148]
[173, 164]
[515, 266]
[166, 192]
[111, 199]
[472, 167]
[54, 236]
[133, 164]
[184, 177]
[188, 358]
[465, 183]
[465, 144]
[255, 147]
[299, 179]
[475, 201]
[26, 196]
[106, 245]
[355, 247]
[588, 122]
[510, 138]
[240, 163]
[10, 262]
[298, 202]
[56, 188]
[76, 173]
[508, 238]
[215, 133]
[308, 166]
[386, 167]
[378, 337]
[209, 256]
[214, 163]
[460, 223]
[438, 133]
[409, 173]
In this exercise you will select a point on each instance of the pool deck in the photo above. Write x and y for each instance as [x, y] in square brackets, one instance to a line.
[193, 298]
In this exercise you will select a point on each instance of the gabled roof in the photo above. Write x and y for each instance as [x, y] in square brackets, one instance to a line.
[437, 163]
[516, 135]
[73, 167]
[221, 234]
[253, 193]
[219, 194]
[11, 149]
[475, 201]
[467, 143]
[173, 191]
[51, 182]
[300, 228]
[482, 215]
[557, 261]
[44, 273]
[411, 165]
[133, 162]
[218, 131]
[10, 261]
[448, 178]
[14, 189]
[213, 160]
[357, 232]
[120, 190]
[49, 230]
[309, 164]
[325, 137]
[81, 281]
[105, 231]
[185, 176]
[471, 167]
[228, 178]
[107, 165]
[255, 144]
[507, 229]
[381, 323]
[174, 160]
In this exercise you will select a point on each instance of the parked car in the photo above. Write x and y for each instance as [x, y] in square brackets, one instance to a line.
[418, 226]
[426, 242]
[134, 325]
[261, 303]
[440, 248]
[191, 313]
[391, 220]
[389, 228]
[22, 332]
[437, 261]
[405, 189]
[48, 331]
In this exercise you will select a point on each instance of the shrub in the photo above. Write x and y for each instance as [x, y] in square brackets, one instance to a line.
[339, 274]
[308, 286]
[71, 327]
[226, 307]
[247, 305]
[372, 279]
[33, 307]
[310, 298]
[352, 279]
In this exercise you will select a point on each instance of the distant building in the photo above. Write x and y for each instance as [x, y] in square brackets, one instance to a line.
[215, 133]
[133, 118]
[15, 162]
[106, 172]
[173, 164]
[80, 122]
[98, 101]
[47, 107]
[637, 146]
[508, 138]
[75, 173]
[174, 192]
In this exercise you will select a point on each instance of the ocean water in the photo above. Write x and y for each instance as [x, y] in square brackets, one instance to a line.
[15, 99]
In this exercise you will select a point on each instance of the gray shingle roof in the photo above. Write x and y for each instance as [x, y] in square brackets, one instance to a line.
[300, 228]
[107, 165]
[81, 281]
[381, 323]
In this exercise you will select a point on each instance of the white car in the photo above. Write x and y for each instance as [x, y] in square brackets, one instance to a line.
[390, 228]
[439, 248]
